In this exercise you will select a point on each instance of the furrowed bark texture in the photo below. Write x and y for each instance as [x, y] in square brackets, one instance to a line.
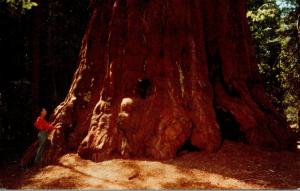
[153, 74]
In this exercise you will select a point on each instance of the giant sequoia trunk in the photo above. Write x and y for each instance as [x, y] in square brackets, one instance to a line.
[155, 74]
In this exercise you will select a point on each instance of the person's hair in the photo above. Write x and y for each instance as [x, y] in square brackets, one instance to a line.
[39, 110]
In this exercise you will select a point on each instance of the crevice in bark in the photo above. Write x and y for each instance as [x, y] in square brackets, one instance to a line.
[188, 147]
[143, 87]
[230, 128]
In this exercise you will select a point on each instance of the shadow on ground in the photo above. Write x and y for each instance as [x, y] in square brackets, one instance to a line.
[235, 166]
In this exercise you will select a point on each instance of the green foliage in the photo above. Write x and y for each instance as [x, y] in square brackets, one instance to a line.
[21, 4]
[16, 7]
[275, 35]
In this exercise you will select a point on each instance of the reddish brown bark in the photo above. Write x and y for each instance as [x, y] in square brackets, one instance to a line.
[197, 57]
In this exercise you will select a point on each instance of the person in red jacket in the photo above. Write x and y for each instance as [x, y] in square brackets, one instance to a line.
[44, 127]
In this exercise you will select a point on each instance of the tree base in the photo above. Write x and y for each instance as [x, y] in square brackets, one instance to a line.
[154, 74]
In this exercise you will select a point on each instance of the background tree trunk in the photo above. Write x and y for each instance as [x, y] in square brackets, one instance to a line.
[36, 59]
[154, 75]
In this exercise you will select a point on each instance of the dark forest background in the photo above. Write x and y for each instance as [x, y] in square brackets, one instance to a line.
[39, 46]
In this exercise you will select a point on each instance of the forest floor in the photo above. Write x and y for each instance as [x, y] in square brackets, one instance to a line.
[235, 166]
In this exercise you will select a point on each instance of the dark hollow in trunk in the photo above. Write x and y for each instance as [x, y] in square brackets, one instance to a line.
[230, 129]
[187, 147]
[151, 75]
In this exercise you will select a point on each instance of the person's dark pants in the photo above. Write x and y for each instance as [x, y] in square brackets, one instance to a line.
[42, 138]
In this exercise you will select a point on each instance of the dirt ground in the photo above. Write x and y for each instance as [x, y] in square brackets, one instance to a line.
[235, 166]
